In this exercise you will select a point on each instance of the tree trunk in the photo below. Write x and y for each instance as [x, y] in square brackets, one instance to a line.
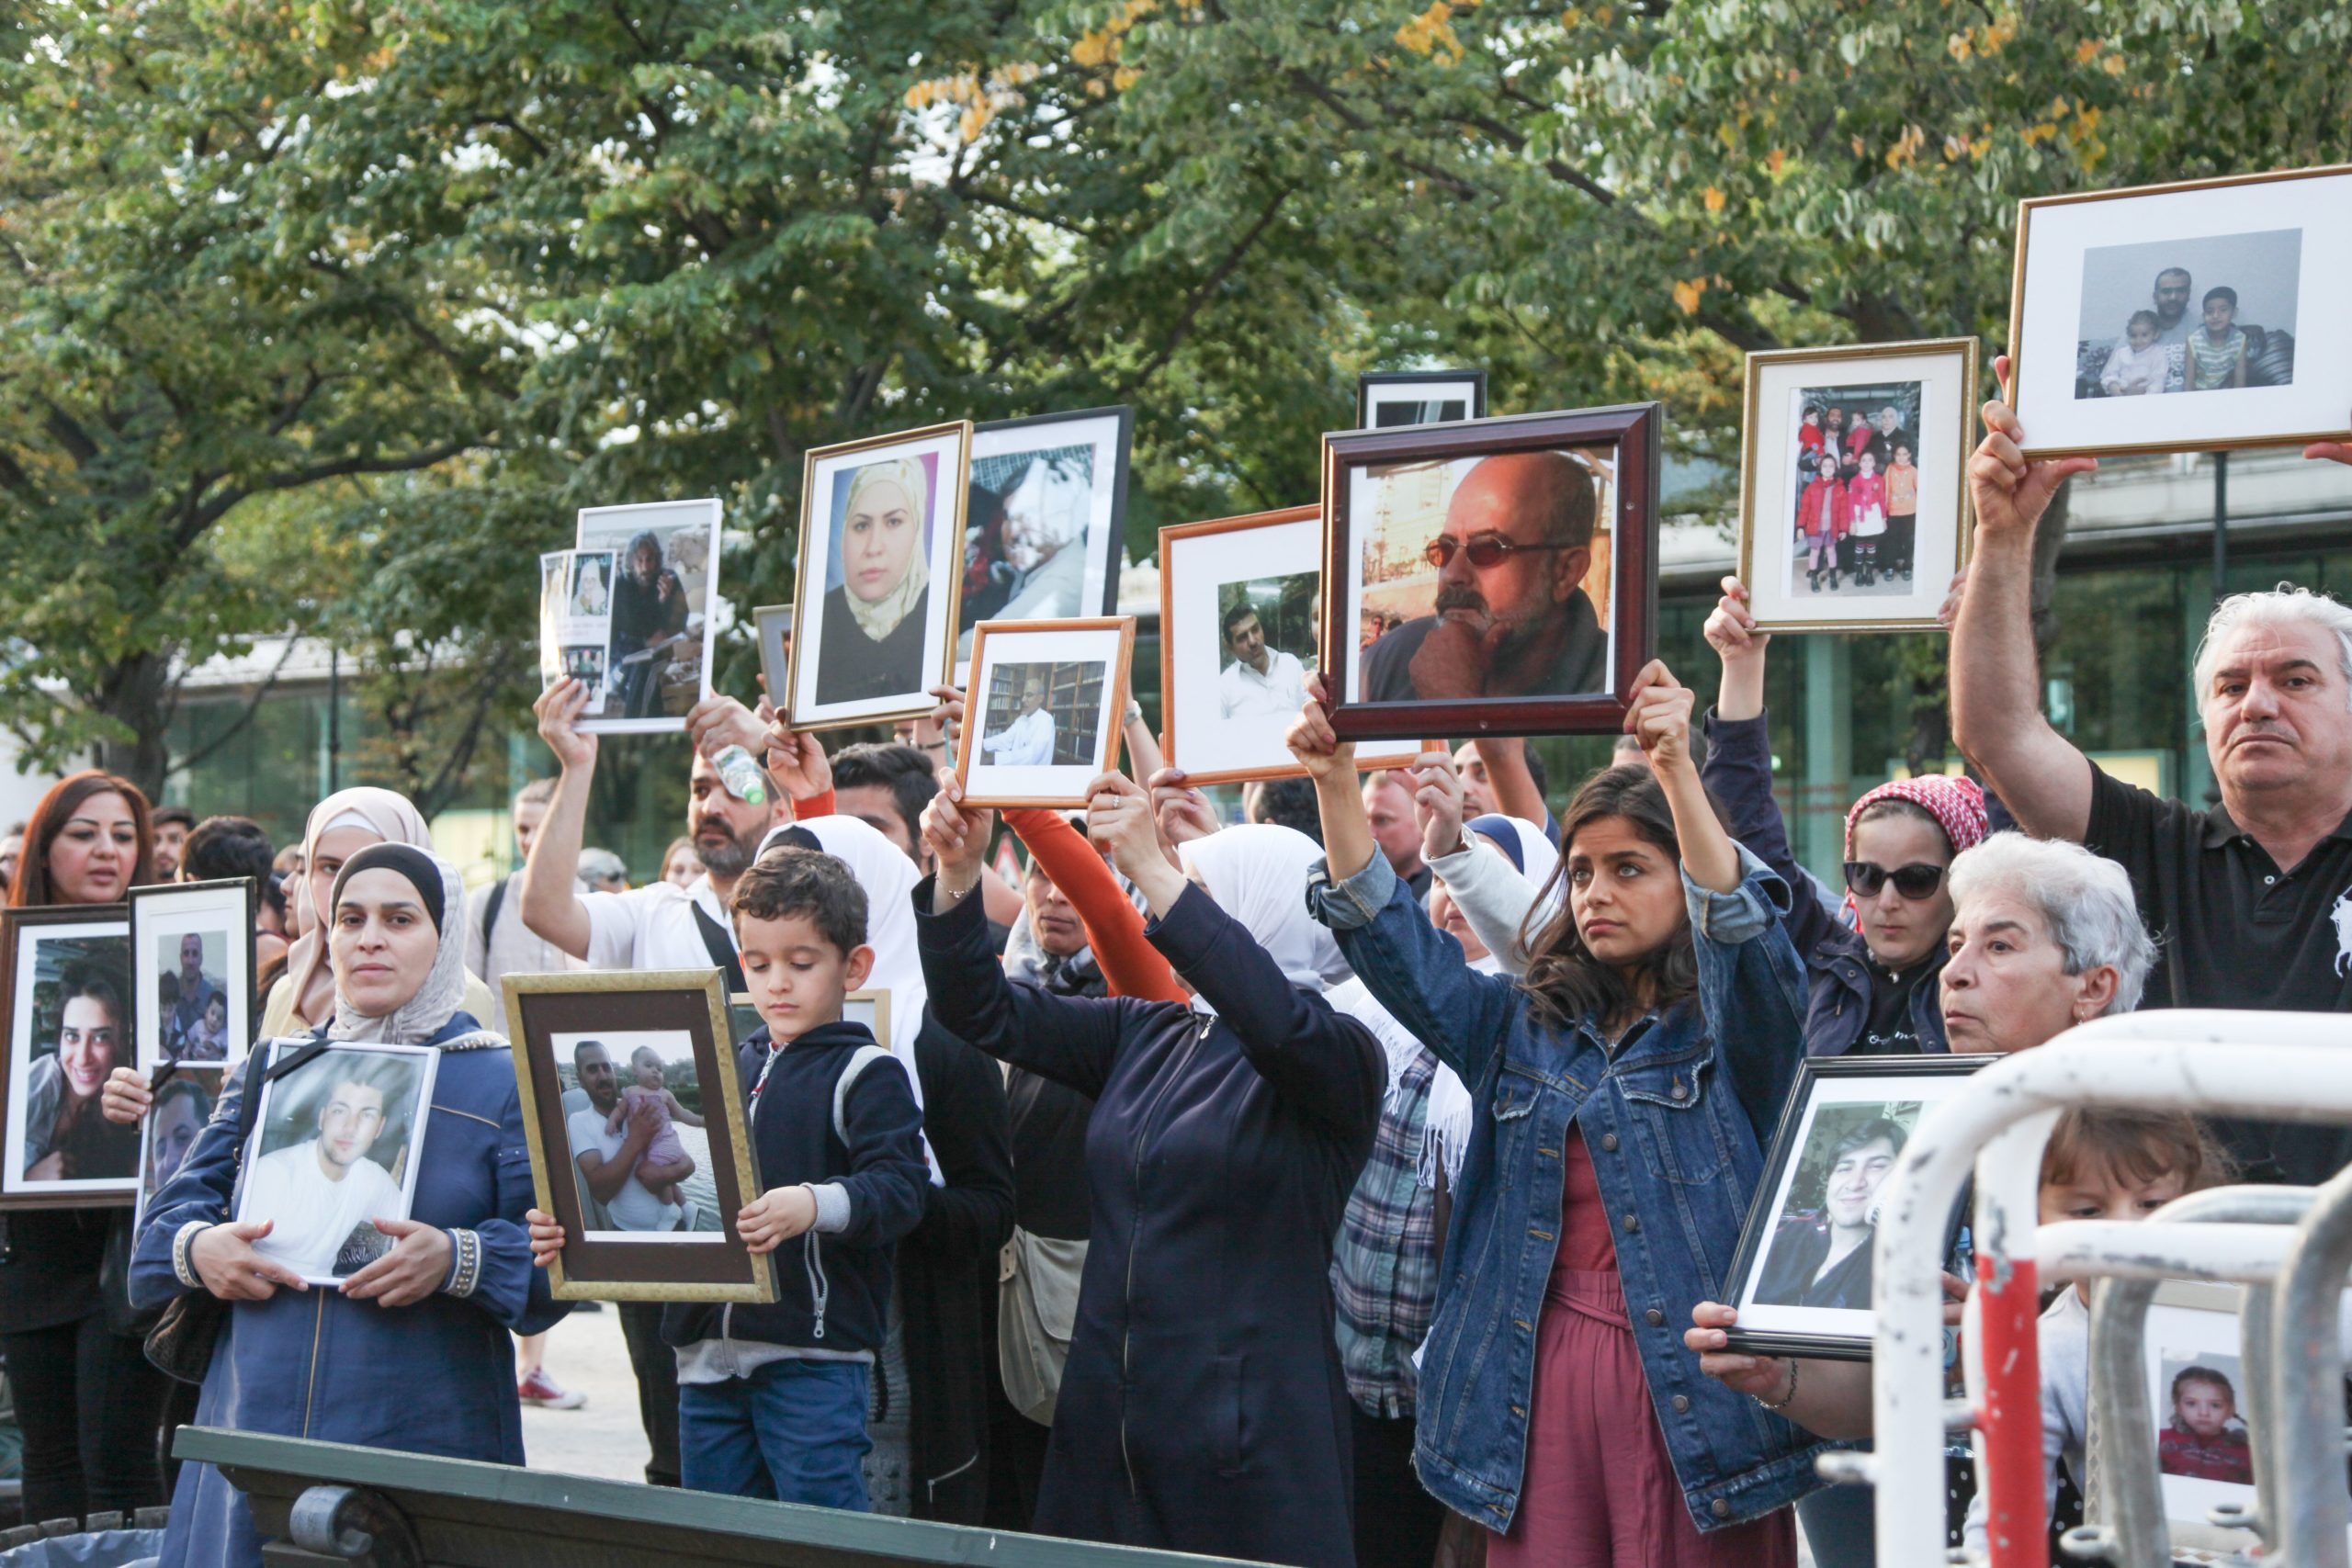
[139, 697]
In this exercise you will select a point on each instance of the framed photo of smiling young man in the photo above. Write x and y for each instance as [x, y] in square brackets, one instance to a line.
[1495, 577]
[1802, 1278]
[337, 1145]
[881, 576]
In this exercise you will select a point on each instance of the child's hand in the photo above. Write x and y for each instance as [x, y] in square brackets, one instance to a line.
[546, 1237]
[775, 1217]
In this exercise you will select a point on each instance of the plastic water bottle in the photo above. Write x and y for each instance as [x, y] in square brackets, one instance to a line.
[739, 772]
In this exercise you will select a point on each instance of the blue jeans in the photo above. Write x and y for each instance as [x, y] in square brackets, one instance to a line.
[793, 1431]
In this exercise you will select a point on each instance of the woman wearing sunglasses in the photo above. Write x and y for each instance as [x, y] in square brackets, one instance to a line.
[1874, 981]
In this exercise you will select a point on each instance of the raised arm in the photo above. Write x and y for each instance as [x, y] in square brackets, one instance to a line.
[1114, 926]
[1659, 718]
[1348, 844]
[550, 899]
[1513, 783]
[1997, 716]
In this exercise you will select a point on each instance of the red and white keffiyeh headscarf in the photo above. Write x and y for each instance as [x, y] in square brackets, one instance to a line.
[1955, 801]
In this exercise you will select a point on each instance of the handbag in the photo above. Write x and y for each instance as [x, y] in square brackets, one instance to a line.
[180, 1345]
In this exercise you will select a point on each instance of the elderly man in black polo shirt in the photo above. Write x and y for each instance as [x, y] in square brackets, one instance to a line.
[2248, 901]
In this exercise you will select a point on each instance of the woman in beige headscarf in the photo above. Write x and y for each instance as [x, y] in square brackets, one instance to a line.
[870, 632]
[340, 826]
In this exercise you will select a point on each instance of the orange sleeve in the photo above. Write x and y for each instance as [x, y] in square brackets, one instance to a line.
[815, 806]
[1113, 927]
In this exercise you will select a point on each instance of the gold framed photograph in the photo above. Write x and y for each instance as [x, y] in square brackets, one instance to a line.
[1043, 711]
[600, 1056]
[2191, 317]
[1853, 484]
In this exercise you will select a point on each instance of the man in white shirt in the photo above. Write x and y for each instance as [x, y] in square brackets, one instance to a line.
[1028, 740]
[320, 1190]
[1262, 681]
[614, 1170]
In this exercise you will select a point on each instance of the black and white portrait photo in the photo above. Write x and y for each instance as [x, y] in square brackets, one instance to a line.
[336, 1149]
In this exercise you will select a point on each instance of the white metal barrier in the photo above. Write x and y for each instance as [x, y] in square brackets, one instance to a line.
[2277, 1066]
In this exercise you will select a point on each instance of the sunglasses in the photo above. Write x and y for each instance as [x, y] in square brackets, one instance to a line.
[1484, 549]
[1913, 881]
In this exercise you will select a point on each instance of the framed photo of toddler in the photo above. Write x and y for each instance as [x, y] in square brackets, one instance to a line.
[640, 1146]
[192, 973]
[2183, 318]
[1240, 607]
[1800, 1281]
[1043, 712]
[1853, 483]
[1495, 577]
[881, 576]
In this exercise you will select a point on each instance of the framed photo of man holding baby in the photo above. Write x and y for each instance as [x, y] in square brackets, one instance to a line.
[1853, 483]
[2191, 317]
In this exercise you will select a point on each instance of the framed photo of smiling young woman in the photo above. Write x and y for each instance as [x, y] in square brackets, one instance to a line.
[881, 575]
[1802, 1278]
[67, 981]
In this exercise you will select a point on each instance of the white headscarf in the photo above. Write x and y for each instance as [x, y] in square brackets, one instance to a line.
[390, 817]
[1258, 875]
[888, 878]
[426, 1014]
[881, 618]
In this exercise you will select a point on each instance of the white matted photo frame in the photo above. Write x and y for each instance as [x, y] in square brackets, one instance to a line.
[1386, 399]
[880, 579]
[870, 1008]
[2191, 317]
[1042, 716]
[771, 624]
[590, 1043]
[338, 1143]
[1044, 515]
[1802, 1277]
[660, 612]
[192, 972]
[67, 984]
[1853, 483]
[1239, 601]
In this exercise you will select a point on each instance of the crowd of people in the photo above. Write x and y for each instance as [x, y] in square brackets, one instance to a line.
[1174, 1209]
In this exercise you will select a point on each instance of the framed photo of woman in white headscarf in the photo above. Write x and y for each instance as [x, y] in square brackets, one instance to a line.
[1043, 518]
[875, 603]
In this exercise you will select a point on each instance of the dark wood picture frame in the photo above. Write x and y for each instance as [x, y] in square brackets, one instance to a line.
[1635, 430]
[1369, 380]
[690, 1001]
[1107, 744]
[241, 954]
[1106, 601]
[773, 623]
[1755, 1235]
[14, 922]
[1177, 534]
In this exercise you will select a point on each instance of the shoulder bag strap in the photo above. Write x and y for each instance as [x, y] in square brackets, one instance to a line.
[721, 946]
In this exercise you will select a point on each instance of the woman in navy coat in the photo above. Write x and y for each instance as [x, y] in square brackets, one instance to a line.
[413, 1351]
[1203, 1409]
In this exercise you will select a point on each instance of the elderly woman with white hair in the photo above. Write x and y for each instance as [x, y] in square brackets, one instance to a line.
[870, 632]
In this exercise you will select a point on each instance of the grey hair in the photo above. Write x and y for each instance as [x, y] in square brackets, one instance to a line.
[2085, 900]
[2282, 606]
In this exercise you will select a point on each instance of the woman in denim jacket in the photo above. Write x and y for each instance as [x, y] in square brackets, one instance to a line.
[1625, 1087]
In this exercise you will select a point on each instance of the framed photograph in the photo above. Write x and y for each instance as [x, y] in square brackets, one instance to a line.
[772, 623]
[1241, 606]
[1498, 577]
[1803, 1272]
[643, 588]
[596, 1049]
[338, 1145]
[1853, 483]
[880, 586]
[1043, 709]
[2178, 318]
[1043, 519]
[192, 972]
[184, 1103]
[68, 987]
[1386, 399]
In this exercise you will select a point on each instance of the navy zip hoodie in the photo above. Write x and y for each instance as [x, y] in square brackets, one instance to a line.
[834, 1281]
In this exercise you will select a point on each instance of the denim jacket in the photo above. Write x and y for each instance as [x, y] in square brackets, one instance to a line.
[1676, 1118]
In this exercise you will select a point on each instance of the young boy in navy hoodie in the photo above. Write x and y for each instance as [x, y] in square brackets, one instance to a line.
[772, 1399]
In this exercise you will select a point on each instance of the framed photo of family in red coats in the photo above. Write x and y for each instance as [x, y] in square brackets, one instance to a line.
[1853, 483]
[1490, 577]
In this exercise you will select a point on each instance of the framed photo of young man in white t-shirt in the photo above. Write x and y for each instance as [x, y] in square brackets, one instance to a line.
[336, 1147]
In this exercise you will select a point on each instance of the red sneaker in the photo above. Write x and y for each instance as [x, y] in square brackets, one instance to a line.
[542, 1391]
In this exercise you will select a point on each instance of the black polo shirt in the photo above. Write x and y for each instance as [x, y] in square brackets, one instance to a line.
[2233, 931]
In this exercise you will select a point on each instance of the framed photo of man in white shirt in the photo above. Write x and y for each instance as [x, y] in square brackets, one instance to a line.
[336, 1147]
[1047, 698]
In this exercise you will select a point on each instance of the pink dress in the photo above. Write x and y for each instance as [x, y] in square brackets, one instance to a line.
[663, 1147]
[1599, 1491]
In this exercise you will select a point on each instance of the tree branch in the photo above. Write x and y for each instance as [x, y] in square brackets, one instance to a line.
[253, 706]
[1200, 296]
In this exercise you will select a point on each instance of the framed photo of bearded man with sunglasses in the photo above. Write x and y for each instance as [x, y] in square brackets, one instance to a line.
[1490, 577]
